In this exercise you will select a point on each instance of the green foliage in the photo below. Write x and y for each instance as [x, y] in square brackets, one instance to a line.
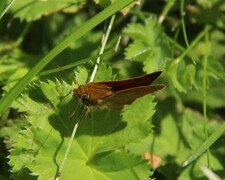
[187, 135]
[97, 146]
[33, 10]
[91, 23]
[182, 125]
[150, 46]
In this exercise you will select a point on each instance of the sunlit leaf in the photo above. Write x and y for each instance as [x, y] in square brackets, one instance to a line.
[97, 150]
[32, 10]
[150, 45]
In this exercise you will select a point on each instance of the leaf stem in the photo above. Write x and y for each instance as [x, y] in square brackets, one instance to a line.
[182, 13]
[71, 141]
[192, 45]
[67, 150]
[166, 10]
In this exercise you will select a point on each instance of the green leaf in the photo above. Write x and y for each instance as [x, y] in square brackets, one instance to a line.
[121, 162]
[9, 130]
[177, 135]
[138, 51]
[104, 73]
[32, 10]
[99, 140]
[150, 46]
[182, 75]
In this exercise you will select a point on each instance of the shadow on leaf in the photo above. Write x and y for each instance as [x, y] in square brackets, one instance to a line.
[97, 122]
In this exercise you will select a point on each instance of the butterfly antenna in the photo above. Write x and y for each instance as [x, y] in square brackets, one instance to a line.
[63, 71]
[66, 75]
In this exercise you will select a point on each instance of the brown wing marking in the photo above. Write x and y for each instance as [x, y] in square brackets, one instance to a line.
[133, 82]
[127, 96]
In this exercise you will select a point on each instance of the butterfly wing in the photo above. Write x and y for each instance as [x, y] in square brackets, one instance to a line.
[115, 94]
[119, 99]
[145, 80]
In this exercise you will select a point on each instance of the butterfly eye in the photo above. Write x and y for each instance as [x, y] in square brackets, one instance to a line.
[78, 92]
[85, 99]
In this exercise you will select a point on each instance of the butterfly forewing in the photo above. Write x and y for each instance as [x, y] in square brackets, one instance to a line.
[127, 96]
[133, 82]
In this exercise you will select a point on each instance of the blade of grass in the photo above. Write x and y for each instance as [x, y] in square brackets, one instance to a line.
[4, 7]
[82, 30]
[198, 152]
[68, 66]
[205, 80]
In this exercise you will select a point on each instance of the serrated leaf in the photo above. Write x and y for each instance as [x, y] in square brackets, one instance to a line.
[138, 51]
[215, 69]
[150, 46]
[182, 75]
[104, 73]
[135, 31]
[81, 75]
[10, 130]
[21, 156]
[100, 132]
[173, 76]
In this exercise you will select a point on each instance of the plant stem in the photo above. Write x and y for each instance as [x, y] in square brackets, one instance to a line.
[105, 38]
[104, 41]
